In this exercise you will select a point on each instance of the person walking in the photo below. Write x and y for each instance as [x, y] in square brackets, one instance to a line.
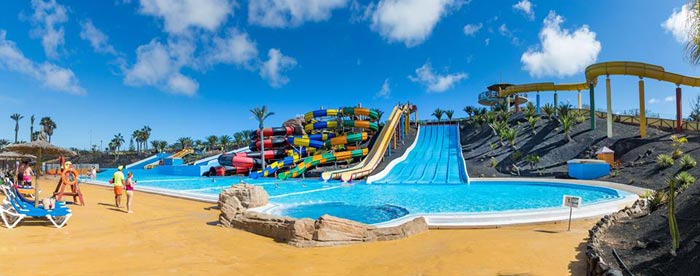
[118, 181]
[129, 191]
[93, 173]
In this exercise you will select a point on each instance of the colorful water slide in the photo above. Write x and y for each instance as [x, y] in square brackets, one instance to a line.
[436, 158]
[275, 166]
[312, 161]
[628, 68]
[346, 111]
[178, 154]
[275, 131]
[207, 160]
[374, 157]
[345, 123]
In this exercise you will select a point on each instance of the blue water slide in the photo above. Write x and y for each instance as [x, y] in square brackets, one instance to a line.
[142, 163]
[436, 158]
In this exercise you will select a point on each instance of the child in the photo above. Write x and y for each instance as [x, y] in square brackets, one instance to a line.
[129, 190]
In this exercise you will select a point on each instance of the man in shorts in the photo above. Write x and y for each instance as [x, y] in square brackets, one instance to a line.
[118, 181]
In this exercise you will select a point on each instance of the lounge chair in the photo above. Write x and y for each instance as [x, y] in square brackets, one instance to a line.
[14, 210]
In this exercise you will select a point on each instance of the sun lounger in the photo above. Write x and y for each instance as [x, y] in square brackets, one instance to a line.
[14, 210]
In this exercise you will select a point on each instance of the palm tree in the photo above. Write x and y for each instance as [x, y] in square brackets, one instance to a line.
[145, 135]
[4, 142]
[238, 137]
[16, 117]
[225, 140]
[31, 128]
[438, 114]
[379, 113]
[49, 125]
[469, 110]
[162, 145]
[212, 139]
[154, 144]
[567, 121]
[136, 135]
[117, 141]
[260, 114]
[692, 47]
[185, 142]
[549, 110]
[449, 114]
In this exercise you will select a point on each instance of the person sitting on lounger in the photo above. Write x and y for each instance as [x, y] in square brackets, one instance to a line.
[27, 174]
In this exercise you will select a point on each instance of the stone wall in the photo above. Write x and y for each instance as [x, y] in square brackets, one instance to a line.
[324, 231]
[596, 266]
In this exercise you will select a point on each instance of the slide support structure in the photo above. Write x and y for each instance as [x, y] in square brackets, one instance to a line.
[538, 102]
[517, 106]
[642, 111]
[608, 96]
[591, 87]
[579, 99]
[556, 103]
[679, 110]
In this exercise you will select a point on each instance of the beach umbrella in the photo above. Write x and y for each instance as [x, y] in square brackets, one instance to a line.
[38, 147]
[11, 155]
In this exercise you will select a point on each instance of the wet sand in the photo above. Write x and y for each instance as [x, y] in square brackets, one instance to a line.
[167, 235]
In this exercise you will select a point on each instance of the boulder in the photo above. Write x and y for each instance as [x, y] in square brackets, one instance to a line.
[333, 229]
[230, 207]
[302, 230]
[276, 227]
[415, 226]
[250, 196]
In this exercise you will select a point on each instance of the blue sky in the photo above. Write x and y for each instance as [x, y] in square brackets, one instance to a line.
[195, 67]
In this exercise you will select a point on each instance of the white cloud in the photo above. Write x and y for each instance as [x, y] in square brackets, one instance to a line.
[47, 17]
[472, 29]
[410, 21]
[159, 65]
[436, 82]
[487, 41]
[385, 91]
[561, 53]
[653, 101]
[525, 7]
[503, 30]
[236, 48]
[290, 13]
[50, 75]
[179, 15]
[97, 39]
[669, 99]
[679, 24]
[273, 69]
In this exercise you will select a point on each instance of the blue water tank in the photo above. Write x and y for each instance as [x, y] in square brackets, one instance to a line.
[588, 168]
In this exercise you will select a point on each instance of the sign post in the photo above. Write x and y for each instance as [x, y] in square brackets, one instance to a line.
[571, 202]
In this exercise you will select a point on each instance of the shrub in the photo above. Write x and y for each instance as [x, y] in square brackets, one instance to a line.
[493, 162]
[532, 159]
[510, 134]
[687, 162]
[657, 199]
[676, 153]
[664, 161]
[580, 118]
[677, 142]
[530, 110]
[548, 110]
[567, 121]
[533, 122]
[684, 180]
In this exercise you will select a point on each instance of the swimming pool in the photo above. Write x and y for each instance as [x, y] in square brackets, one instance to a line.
[387, 204]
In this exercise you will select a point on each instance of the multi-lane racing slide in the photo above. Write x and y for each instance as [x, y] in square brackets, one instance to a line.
[435, 157]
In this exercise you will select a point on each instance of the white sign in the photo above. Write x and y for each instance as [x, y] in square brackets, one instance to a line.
[572, 201]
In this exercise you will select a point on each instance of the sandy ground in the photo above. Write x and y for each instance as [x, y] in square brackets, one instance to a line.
[173, 236]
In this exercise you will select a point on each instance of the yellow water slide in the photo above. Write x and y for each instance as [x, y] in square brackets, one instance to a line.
[374, 157]
[628, 68]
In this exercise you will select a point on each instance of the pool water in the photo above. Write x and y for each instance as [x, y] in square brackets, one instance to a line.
[383, 202]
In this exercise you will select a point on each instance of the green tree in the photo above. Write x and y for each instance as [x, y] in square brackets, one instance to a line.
[567, 122]
[155, 144]
[213, 140]
[145, 135]
[260, 114]
[49, 126]
[117, 142]
[469, 110]
[238, 138]
[163, 145]
[4, 142]
[185, 142]
[31, 128]
[548, 109]
[692, 47]
[449, 114]
[16, 117]
[225, 140]
[438, 114]
[379, 113]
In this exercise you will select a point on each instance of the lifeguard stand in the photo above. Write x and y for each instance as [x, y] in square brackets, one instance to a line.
[69, 177]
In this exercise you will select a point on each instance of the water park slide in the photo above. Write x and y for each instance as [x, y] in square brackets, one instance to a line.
[435, 159]
[148, 160]
[375, 155]
[206, 161]
[593, 71]
[318, 159]
[178, 154]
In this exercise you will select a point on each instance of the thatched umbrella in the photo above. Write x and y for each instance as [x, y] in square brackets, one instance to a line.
[39, 147]
[11, 155]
